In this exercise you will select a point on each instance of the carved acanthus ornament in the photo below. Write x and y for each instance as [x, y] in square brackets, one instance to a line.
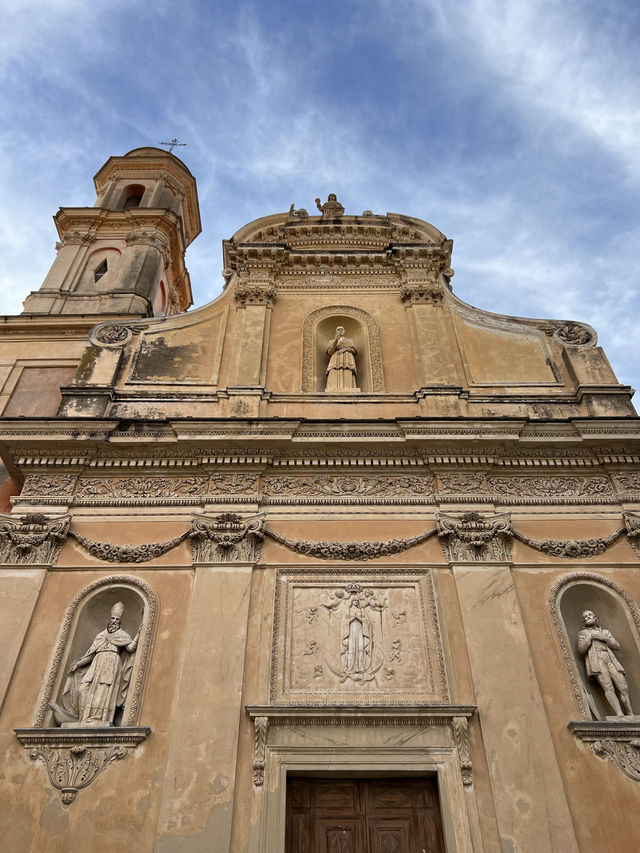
[226, 538]
[472, 536]
[349, 550]
[73, 759]
[256, 294]
[423, 293]
[460, 726]
[48, 485]
[34, 539]
[617, 741]
[261, 727]
[141, 487]
[348, 485]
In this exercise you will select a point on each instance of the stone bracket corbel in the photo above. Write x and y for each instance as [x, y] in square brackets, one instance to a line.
[74, 757]
[617, 740]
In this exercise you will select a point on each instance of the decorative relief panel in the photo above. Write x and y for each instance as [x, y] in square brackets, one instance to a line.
[356, 639]
[142, 487]
[349, 486]
[524, 487]
[48, 485]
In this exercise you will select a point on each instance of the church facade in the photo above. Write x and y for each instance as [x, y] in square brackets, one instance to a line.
[336, 563]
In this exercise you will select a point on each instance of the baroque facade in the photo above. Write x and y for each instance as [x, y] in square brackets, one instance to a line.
[337, 562]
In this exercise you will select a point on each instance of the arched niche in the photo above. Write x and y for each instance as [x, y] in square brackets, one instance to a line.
[319, 330]
[86, 616]
[617, 612]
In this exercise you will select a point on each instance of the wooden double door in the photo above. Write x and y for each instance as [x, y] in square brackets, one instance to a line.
[363, 816]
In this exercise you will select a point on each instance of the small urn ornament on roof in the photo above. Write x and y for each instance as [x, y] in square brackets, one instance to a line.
[331, 208]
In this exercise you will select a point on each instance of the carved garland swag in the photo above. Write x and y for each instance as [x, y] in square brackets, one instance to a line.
[37, 539]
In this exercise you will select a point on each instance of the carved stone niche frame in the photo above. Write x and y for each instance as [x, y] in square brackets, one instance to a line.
[318, 330]
[73, 757]
[364, 742]
[617, 738]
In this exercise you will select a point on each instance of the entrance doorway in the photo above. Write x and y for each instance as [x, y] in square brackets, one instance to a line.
[363, 816]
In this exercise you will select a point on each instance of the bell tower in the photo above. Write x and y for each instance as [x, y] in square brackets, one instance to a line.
[125, 255]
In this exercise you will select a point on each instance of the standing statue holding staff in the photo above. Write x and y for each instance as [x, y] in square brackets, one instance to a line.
[97, 683]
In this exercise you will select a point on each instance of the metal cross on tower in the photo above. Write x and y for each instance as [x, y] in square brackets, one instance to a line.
[172, 144]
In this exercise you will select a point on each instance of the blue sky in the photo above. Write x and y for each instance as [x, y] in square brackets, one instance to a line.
[513, 127]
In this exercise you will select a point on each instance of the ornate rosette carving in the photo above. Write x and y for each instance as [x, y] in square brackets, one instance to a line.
[73, 759]
[473, 536]
[576, 335]
[111, 335]
[349, 550]
[34, 539]
[226, 538]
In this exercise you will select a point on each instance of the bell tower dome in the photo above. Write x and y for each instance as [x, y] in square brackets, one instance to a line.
[125, 255]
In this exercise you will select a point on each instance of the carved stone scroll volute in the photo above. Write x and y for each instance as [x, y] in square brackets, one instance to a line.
[74, 758]
[226, 538]
[34, 539]
[460, 727]
[473, 536]
[261, 725]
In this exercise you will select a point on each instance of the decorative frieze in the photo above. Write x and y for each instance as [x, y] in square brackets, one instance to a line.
[49, 485]
[342, 485]
[226, 538]
[34, 539]
[141, 487]
[233, 484]
[472, 536]
[523, 489]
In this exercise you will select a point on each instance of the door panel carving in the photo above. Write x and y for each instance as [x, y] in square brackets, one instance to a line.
[363, 816]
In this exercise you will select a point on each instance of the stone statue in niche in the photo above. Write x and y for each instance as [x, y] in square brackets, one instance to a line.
[97, 682]
[341, 370]
[331, 208]
[596, 644]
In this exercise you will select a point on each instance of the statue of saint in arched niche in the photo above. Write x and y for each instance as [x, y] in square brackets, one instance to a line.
[341, 370]
[98, 682]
